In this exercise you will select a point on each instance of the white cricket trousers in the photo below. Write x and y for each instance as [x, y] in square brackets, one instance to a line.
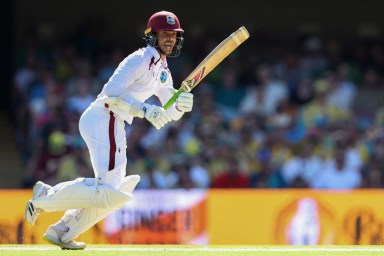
[105, 137]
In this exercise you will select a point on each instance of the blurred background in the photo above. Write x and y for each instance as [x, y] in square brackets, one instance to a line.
[297, 109]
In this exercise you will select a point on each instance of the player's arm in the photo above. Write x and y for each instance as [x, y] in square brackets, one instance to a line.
[126, 74]
[156, 115]
[114, 90]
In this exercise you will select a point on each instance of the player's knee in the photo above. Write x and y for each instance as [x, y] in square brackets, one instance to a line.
[105, 195]
[108, 197]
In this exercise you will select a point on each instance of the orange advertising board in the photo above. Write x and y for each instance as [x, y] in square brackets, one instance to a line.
[242, 217]
[295, 217]
[160, 217]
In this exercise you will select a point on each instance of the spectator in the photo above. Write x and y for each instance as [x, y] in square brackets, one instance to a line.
[304, 92]
[303, 168]
[152, 178]
[370, 97]
[183, 176]
[231, 177]
[74, 164]
[337, 175]
[345, 141]
[199, 173]
[267, 175]
[228, 94]
[343, 90]
[318, 112]
[79, 102]
[263, 96]
[48, 162]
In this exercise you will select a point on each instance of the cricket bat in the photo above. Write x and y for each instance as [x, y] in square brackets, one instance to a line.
[217, 55]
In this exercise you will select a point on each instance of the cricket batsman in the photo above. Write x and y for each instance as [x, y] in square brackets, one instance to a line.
[140, 75]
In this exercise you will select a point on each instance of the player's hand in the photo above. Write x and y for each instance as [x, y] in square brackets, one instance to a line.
[156, 115]
[184, 102]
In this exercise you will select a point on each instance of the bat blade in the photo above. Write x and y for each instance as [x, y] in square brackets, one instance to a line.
[217, 55]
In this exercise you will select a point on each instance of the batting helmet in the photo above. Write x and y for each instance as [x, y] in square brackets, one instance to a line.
[164, 21]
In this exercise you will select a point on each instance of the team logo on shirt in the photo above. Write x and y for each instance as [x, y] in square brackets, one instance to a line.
[163, 76]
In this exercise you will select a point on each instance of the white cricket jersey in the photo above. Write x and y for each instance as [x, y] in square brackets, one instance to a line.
[140, 75]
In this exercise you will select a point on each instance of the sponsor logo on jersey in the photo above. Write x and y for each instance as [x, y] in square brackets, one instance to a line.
[163, 76]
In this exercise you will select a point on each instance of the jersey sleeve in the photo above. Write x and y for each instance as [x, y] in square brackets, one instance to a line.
[128, 71]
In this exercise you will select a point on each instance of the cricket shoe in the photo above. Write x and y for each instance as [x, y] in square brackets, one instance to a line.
[31, 213]
[53, 236]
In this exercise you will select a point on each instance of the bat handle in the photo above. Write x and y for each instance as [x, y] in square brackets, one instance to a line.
[173, 99]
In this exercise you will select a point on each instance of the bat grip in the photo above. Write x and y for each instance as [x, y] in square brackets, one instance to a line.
[173, 99]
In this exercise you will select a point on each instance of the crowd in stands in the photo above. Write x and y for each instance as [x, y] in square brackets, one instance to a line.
[275, 114]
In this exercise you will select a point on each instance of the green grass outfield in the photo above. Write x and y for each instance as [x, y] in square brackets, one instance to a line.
[180, 250]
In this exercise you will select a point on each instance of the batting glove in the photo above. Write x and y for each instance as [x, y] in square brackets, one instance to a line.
[156, 115]
[184, 102]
